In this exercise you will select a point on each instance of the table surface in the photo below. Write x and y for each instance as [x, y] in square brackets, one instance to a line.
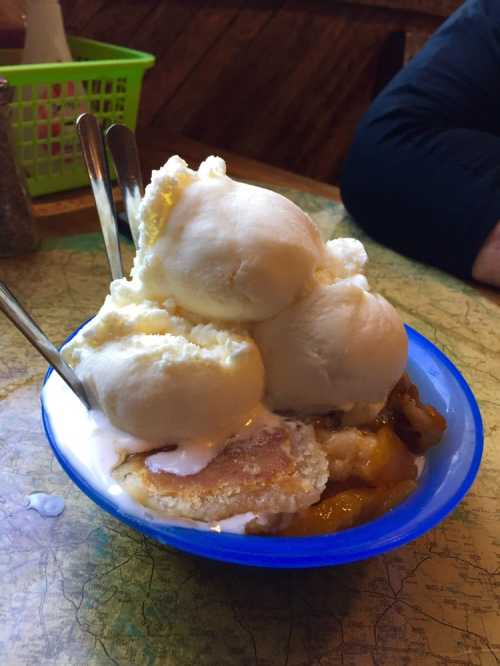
[82, 589]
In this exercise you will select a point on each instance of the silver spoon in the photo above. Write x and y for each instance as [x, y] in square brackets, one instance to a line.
[123, 148]
[95, 158]
[30, 329]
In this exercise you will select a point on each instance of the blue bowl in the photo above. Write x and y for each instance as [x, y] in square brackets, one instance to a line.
[449, 472]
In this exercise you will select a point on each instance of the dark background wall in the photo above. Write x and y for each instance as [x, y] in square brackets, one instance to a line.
[280, 81]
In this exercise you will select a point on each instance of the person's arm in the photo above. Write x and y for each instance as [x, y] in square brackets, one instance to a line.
[486, 267]
[423, 173]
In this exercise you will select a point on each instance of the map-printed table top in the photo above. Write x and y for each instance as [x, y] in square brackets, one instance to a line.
[82, 589]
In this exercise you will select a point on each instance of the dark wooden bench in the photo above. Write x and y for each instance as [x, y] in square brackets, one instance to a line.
[280, 81]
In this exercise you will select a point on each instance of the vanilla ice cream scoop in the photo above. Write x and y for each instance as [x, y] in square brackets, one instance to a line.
[339, 346]
[290, 318]
[224, 250]
[165, 380]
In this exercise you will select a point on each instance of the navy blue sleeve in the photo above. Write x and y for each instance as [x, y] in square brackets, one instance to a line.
[423, 173]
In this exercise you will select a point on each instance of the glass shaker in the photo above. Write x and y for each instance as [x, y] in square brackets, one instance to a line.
[17, 228]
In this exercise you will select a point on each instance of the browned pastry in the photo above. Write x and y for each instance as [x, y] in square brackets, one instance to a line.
[274, 470]
[419, 426]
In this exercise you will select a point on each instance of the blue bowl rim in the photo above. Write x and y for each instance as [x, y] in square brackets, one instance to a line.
[287, 552]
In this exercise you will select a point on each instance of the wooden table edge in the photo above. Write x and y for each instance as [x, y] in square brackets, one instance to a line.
[156, 146]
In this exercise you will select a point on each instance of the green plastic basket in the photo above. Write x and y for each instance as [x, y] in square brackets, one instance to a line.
[103, 79]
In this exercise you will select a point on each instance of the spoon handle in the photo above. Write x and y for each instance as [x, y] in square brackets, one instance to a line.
[95, 158]
[22, 320]
[123, 148]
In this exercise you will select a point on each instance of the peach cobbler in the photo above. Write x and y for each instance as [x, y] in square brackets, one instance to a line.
[245, 377]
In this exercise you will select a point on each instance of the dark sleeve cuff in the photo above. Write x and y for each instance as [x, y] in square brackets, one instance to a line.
[434, 196]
